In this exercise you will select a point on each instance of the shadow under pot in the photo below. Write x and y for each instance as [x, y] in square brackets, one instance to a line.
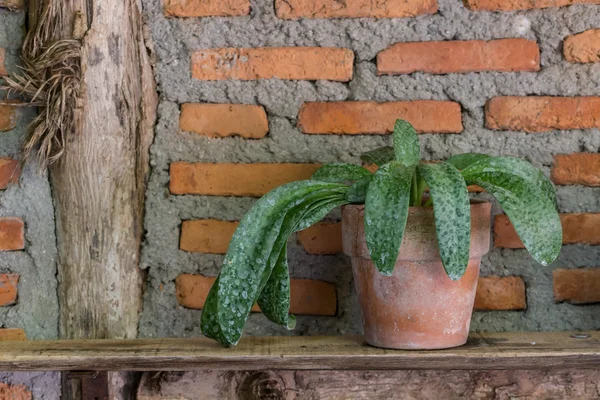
[418, 306]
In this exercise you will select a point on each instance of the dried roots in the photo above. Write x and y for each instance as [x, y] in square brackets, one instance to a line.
[50, 80]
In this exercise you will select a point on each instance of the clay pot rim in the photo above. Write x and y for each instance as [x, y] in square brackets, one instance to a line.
[475, 204]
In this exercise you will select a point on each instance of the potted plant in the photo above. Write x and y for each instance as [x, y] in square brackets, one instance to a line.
[415, 238]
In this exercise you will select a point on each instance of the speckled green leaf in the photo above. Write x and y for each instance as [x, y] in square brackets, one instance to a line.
[303, 215]
[452, 213]
[340, 173]
[406, 143]
[249, 261]
[526, 171]
[527, 199]
[358, 191]
[320, 209]
[274, 301]
[386, 212]
[462, 161]
[380, 156]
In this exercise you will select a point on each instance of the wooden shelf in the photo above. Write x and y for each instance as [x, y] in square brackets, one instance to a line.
[484, 351]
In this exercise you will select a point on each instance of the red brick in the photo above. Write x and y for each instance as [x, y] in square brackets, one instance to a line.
[577, 286]
[252, 180]
[3, 71]
[581, 228]
[322, 238]
[576, 169]
[292, 63]
[295, 9]
[368, 117]
[542, 114]
[496, 293]
[221, 120]
[12, 335]
[308, 297]
[206, 8]
[8, 289]
[206, 236]
[9, 172]
[504, 55]
[12, 234]
[14, 392]
[511, 5]
[8, 118]
[583, 47]
[12, 4]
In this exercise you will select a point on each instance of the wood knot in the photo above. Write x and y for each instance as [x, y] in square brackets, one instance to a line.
[262, 386]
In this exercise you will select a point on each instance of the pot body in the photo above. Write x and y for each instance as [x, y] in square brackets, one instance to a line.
[418, 307]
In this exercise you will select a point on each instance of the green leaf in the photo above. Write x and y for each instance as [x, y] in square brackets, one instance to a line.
[320, 209]
[301, 217]
[452, 212]
[462, 161]
[380, 156]
[406, 143]
[253, 253]
[528, 200]
[274, 301]
[528, 172]
[358, 191]
[386, 212]
[340, 173]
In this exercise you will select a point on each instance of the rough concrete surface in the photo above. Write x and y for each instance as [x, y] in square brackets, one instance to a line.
[36, 310]
[42, 385]
[173, 41]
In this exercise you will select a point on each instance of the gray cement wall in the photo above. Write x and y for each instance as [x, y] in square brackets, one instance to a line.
[174, 39]
[36, 310]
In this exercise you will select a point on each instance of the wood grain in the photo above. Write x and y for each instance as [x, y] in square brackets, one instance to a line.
[483, 351]
[374, 385]
[99, 182]
[98, 185]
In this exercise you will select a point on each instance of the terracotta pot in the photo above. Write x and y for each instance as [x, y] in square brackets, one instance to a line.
[418, 307]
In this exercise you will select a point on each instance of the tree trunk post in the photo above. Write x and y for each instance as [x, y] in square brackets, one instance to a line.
[99, 182]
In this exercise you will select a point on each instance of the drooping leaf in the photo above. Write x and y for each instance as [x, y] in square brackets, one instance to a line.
[357, 192]
[386, 212]
[320, 209]
[340, 173]
[274, 301]
[249, 261]
[451, 208]
[462, 161]
[304, 214]
[527, 199]
[526, 171]
[380, 156]
[407, 149]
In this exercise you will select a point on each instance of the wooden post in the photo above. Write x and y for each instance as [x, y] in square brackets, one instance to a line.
[99, 182]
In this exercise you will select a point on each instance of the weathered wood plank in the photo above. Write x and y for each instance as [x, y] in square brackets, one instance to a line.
[313, 385]
[484, 351]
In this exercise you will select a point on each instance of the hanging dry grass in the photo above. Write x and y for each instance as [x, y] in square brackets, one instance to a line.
[50, 80]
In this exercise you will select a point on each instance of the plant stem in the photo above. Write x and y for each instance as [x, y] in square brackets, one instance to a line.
[420, 190]
[414, 194]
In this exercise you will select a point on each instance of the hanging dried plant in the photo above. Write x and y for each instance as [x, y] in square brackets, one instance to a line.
[49, 79]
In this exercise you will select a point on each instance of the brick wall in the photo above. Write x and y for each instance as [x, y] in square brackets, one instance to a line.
[28, 299]
[258, 93]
